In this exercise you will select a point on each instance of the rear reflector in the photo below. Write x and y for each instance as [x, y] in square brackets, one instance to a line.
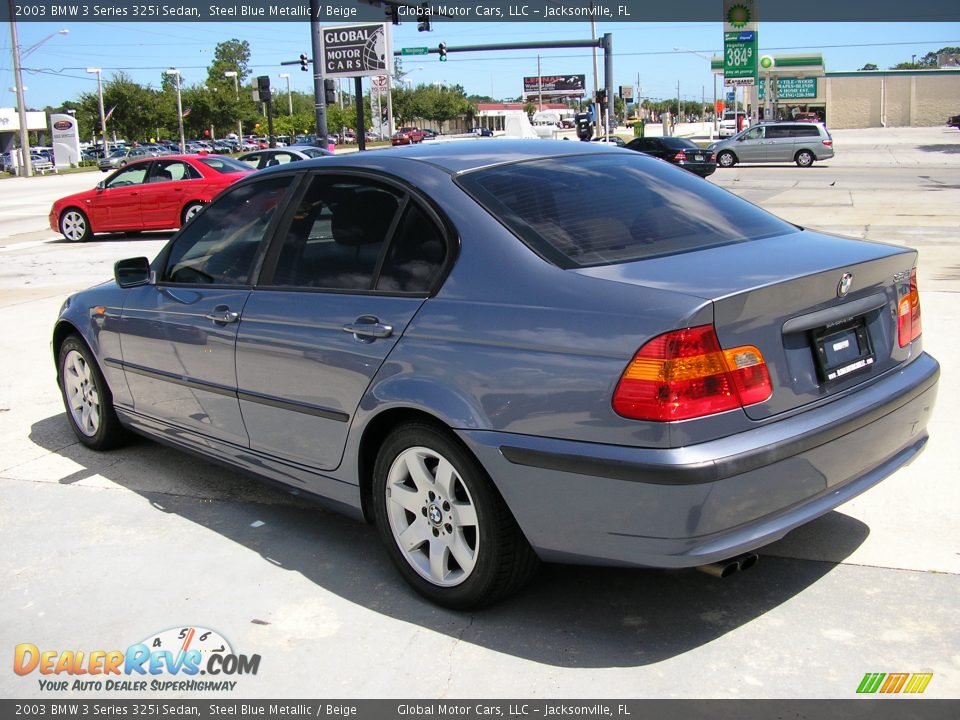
[909, 326]
[685, 374]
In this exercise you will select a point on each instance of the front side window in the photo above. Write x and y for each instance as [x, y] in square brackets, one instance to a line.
[134, 175]
[588, 210]
[753, 134]
[219, 246]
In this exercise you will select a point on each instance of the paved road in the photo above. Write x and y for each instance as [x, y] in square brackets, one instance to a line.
[102, 550]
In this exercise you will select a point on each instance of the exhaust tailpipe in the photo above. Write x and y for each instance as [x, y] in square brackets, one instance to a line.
[726, 568]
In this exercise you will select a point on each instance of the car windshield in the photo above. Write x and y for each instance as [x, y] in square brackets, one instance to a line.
[118, 153]
[603, 209]
[224, 165]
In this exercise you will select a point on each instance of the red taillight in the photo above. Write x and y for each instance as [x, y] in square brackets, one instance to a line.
[680, 157]
[828, 143]
[713, 157]
[685, 374]
[908, 314]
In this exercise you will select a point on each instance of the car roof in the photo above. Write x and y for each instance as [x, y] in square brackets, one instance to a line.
[459, 156]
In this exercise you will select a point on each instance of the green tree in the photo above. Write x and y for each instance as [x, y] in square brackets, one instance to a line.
[137, 111]
[229, 56]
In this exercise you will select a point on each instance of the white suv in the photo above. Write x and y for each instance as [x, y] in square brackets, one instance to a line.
[728, 123]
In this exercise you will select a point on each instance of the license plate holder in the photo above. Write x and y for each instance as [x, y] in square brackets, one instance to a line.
[843, 349]
[698, 158]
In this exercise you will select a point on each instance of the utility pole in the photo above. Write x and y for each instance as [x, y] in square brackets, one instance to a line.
[320, 105]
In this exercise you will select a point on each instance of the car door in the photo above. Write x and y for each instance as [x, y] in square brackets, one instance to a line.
[750, 145]
[178, 334]
[779, 143]
[163, 193]
[116, 205]
[348, 273]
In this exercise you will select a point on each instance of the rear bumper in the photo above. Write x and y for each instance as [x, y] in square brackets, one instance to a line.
[603, 504]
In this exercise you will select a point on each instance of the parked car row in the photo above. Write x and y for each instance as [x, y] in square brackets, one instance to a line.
[496, 362]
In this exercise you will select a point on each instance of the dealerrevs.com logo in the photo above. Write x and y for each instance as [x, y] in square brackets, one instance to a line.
[180, 659]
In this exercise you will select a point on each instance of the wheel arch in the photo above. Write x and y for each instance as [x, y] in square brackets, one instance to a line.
[375, 432]
[61, 331]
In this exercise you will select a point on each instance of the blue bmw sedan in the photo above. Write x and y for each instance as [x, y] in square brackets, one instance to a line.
[505, 352]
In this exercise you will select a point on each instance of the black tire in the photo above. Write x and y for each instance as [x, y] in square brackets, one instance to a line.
[189, 210]
[502, 559]
[804, 158]
[74, 225]
[87, 398]
[726, 159]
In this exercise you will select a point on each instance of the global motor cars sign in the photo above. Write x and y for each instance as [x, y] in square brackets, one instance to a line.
[356, 51]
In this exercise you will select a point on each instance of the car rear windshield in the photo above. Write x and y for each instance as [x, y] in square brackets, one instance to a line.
[224, 165]
[608, 208]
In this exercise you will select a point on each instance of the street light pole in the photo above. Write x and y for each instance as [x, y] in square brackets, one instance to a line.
[25, 164]
[709, 60]
[286, 76]
[236, 89]
[183, 140]
[103, 117]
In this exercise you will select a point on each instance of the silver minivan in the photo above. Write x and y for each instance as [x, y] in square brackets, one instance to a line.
[799, 142]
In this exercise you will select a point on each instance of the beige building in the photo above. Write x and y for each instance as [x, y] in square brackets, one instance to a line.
[853, 99]
[891, 98]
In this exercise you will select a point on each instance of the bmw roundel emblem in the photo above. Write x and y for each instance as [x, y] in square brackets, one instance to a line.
[845, 282]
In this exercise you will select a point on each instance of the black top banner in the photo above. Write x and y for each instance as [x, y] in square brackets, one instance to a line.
[340, 11]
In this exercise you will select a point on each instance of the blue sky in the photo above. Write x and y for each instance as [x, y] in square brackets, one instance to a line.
[145, 49]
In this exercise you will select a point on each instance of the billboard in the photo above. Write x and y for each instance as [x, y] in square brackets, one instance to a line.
[356, 51]
[554, 85]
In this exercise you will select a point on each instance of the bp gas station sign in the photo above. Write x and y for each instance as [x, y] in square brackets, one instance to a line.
[739, 42]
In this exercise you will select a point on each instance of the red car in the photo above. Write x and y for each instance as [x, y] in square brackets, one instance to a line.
[407, 136]
[154, 194]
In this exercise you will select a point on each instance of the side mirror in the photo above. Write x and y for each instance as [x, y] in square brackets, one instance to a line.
[133, 272]
[101, 185]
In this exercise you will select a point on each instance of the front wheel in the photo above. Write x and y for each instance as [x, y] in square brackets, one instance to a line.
[87, 398]
[446, 528]
[74, 226]
[804, 158]
[726, 159]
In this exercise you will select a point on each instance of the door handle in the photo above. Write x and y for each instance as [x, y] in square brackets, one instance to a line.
[223, 314]
[368, 327]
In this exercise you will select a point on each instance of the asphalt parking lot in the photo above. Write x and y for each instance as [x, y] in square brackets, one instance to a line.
[105, 550]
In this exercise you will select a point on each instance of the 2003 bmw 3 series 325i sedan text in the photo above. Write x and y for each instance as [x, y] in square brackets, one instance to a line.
[506, 351]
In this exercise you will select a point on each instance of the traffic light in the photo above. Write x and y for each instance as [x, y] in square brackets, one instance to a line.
[602, 100]
[263, 88]
[393, 14]
[423, 18]
[304, 62]
[329, 91]
[443, 52]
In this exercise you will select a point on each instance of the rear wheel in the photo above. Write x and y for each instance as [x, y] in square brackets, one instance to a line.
[190, 210]
[726, 159]
[74, 225]
[446, 528]
[87, 398]
[804, 158]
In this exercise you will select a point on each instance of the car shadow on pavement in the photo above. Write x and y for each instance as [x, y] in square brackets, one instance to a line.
[572, 617]
[948, 149]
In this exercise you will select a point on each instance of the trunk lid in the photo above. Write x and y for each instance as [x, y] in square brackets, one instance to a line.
[821, 309]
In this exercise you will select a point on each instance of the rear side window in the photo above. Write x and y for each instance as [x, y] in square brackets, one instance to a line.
[588, 210]
[805, 131]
